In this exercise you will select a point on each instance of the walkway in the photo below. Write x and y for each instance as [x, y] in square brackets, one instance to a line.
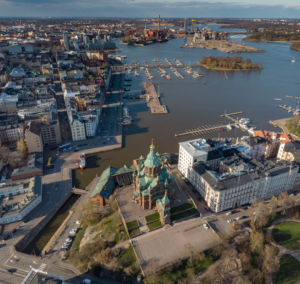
[282, 250]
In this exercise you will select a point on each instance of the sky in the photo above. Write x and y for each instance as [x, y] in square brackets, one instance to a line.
[148, 8]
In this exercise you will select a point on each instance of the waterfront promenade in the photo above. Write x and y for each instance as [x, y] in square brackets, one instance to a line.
[152, 98]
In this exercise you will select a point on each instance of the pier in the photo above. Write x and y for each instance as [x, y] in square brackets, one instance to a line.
[204, 129]
[152, 98]
[169, 66]
[209, 128]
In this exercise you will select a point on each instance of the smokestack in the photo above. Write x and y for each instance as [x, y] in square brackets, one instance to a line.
[158, 22]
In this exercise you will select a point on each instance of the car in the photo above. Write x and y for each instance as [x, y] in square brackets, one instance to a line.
[75, 230]
[206, 208]
[14, 230]
[11, 270]
[6, 237]
[205, 226]
[246, 208]
[254, 213]
[68, 240]
[292, 194]
[199, 199]
[228, 213]
[26, 220]
[67, 243]
[7, 198]
[229, 221]
[76, 150]
[78, 223]
[72, 232]
[238, 218]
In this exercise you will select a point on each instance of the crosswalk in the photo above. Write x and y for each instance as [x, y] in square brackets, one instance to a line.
[4, 255]
[42, 266]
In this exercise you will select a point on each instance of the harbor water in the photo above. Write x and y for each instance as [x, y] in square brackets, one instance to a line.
[192, 104]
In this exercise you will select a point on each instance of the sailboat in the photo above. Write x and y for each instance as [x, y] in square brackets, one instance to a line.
[294, 60]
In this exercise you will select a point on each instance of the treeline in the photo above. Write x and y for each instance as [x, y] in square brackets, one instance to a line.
[293, 125]
[236, 62]
[271, 36]
[295, 45]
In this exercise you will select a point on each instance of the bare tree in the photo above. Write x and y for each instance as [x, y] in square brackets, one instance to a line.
[270, 262]
[256, 241]
[4, 154]
[273, 204]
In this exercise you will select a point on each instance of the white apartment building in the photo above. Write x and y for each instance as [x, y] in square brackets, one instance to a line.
[90, 126]
[234, 189]
[10, 214]
[190, 153]
[77, 128]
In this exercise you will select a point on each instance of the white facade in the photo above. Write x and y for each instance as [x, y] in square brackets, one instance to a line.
[220, 198]
[13, 189]
[78, 130]
[190, 153]
[14, 134]
[91, 127]
[21, 214]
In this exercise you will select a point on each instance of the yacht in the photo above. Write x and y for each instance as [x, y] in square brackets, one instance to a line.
[136, 74]
[294, 60]
[229, 126]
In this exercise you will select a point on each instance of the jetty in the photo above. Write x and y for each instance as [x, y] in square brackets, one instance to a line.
[204, 129]
[152, 98]
[228, 116]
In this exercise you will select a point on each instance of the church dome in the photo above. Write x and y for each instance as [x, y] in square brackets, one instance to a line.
[152, 159]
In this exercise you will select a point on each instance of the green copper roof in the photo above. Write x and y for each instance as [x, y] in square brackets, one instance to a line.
[152, 160]
[165, 199]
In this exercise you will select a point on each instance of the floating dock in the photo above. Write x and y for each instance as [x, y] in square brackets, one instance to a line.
[152, 98]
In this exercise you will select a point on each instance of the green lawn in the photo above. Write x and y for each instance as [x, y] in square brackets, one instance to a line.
[184, 214]
[289, 272]
[152, 217]
[132, 224]
[134, 232]
[78, 238]
[286, 234]
[154, 225]
[182, 207]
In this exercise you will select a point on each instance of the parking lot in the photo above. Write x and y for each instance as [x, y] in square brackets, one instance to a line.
[166, 245]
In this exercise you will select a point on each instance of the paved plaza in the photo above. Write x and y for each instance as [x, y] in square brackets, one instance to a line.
[167, 245]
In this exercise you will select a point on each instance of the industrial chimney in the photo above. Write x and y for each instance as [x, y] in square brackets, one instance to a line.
[158, 22]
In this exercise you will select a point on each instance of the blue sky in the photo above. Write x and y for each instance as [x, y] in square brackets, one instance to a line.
[148, 8]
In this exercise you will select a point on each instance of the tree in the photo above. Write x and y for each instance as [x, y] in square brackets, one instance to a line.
[270, 262]
[256, 241]
[105, 256]
[35, 94]
[4, 154]
[84, 211]
[21, 147]
[273, 204]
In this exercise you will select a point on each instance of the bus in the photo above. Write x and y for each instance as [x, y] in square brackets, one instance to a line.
[64, 147]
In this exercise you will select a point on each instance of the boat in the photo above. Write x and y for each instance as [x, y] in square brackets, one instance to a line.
[237, 126]
[229, 126]
[82, 162]
[294, 60]
[136, 74]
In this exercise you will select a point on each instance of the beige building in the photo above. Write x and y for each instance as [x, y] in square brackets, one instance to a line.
[78, 129]
[50, 131]
[33, 138]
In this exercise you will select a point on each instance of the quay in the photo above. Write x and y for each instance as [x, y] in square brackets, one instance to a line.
[152, 98]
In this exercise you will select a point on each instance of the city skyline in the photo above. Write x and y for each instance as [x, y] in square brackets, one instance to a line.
[146, 8]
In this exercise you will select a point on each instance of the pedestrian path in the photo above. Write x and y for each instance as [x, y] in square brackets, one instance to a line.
[282, 250]
[5, 254]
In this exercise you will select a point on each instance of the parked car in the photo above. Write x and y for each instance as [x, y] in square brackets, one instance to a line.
[6, 237]
[238, 218]
[78, 223]
[72, 232]
[228, 213]
[14, 230]
[229, 221]
[26, 220]
[205, 226]
[67, 243]
[206, 208]
[68, 240]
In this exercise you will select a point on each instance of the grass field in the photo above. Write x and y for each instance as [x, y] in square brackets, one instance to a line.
[278, 216]
[132, 224]
[134, 232]
[152, 217]
[154, 225]
[289, 272]
[182, 207]
[287, 234]
[184, 214]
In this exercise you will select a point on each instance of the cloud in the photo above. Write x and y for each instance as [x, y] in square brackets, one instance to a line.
[143, 8]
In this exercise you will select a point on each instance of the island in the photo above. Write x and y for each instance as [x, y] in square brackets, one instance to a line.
[228, 63]
[273, 36]
[206, 38]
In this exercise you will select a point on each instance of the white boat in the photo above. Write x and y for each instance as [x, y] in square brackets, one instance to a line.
[237, 126]
[136, 74]
[294, 60]
[82, 162]
[229, 126]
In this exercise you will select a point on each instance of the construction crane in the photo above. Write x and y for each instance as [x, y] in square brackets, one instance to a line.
[80, 103]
